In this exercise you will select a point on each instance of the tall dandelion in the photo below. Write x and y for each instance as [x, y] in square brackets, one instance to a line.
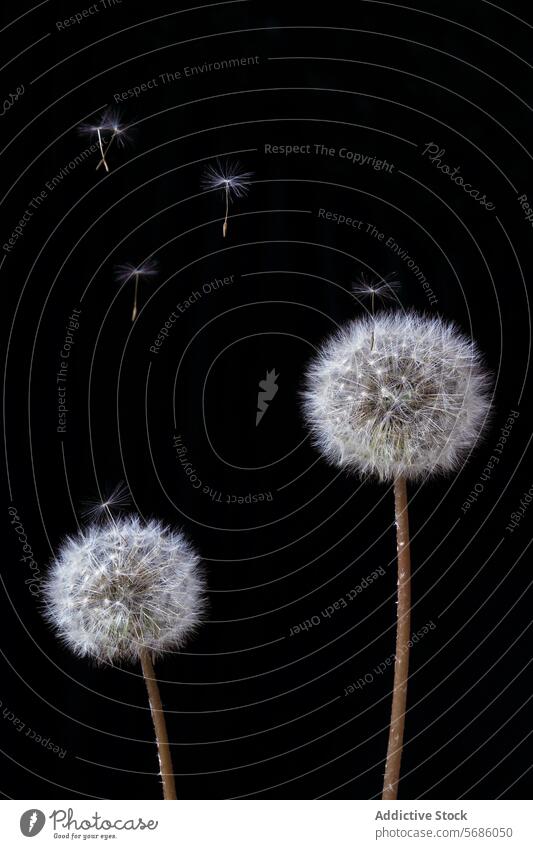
[126, 590]
[228, 177]
[398, 397]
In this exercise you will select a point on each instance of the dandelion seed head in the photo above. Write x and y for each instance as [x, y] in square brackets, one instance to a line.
[413, 402]
[123, 586]
[229, 177]
[127, 270]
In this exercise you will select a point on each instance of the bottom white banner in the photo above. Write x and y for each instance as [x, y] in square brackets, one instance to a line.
[268, 824]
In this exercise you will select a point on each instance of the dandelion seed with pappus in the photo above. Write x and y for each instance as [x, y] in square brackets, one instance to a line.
[128, 271]
[108, 130]
[397, 397]
[228, 177]
[381, 289]
[127, 590]
[116, 501]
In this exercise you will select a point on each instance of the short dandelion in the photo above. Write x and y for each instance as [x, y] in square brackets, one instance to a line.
[398, 397]
[228, 177]
[127, 590]
[128, 271]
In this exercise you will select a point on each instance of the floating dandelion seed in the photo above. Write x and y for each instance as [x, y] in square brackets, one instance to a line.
[107, 130]
[398, 397]
[117, 500]
[127, 590]
[128, 271]
[382, 289]
[228, 177]
[120, 134]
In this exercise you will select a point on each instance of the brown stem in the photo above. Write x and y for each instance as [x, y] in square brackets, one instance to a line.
[103, 160]
[225, 225]
[134, 313]
[403, 634]
[160, 726]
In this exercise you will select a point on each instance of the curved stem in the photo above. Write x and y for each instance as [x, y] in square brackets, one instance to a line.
[160, 726]
[225, 225]
[403, 634]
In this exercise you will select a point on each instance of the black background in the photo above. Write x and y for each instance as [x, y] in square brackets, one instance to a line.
[253, 711]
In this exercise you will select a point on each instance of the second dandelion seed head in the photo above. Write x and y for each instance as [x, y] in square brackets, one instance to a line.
[397, 395]
[125, 586]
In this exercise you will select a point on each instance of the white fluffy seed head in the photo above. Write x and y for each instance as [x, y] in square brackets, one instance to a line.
[123, 586]
[398, 394]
